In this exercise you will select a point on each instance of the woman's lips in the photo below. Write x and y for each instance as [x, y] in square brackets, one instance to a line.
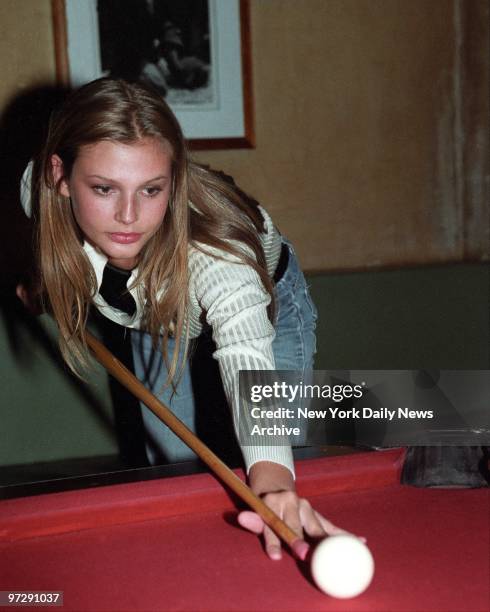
[122, 238]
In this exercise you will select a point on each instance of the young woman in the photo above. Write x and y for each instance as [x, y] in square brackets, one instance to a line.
[163, 246]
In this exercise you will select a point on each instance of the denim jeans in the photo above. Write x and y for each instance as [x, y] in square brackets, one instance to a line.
[294, 347]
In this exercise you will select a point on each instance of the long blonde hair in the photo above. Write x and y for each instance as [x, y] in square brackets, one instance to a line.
[220, 216]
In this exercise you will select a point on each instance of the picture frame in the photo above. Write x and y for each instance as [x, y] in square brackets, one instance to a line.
[222, 120]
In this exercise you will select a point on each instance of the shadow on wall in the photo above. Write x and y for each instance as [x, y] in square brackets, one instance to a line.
[23, 128]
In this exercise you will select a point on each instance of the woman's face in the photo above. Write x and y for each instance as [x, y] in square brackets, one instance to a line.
[119, 195]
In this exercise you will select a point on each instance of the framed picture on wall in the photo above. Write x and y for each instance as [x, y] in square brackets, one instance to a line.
[195, 52]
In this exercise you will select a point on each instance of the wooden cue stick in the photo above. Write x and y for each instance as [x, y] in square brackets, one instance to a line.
[126, 378]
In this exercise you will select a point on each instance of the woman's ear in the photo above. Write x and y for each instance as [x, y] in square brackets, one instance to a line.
[58, 176]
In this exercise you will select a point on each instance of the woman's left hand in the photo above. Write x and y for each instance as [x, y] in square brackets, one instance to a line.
[275, 485]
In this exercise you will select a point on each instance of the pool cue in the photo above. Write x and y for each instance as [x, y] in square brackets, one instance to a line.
[129, 380]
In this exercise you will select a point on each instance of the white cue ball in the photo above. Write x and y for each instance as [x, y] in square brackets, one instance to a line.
[342, 566]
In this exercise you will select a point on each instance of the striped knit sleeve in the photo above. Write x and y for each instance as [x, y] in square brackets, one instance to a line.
[235, 303]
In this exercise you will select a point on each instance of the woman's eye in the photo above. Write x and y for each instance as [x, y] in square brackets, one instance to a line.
[152, 191]
[102, 189]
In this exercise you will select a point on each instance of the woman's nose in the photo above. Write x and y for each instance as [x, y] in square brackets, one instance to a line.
[127, 209]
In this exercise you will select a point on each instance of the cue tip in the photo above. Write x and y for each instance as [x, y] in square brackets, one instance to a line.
[300, 549]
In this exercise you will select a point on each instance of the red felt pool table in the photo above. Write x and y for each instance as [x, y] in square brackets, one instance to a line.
[172, 544]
